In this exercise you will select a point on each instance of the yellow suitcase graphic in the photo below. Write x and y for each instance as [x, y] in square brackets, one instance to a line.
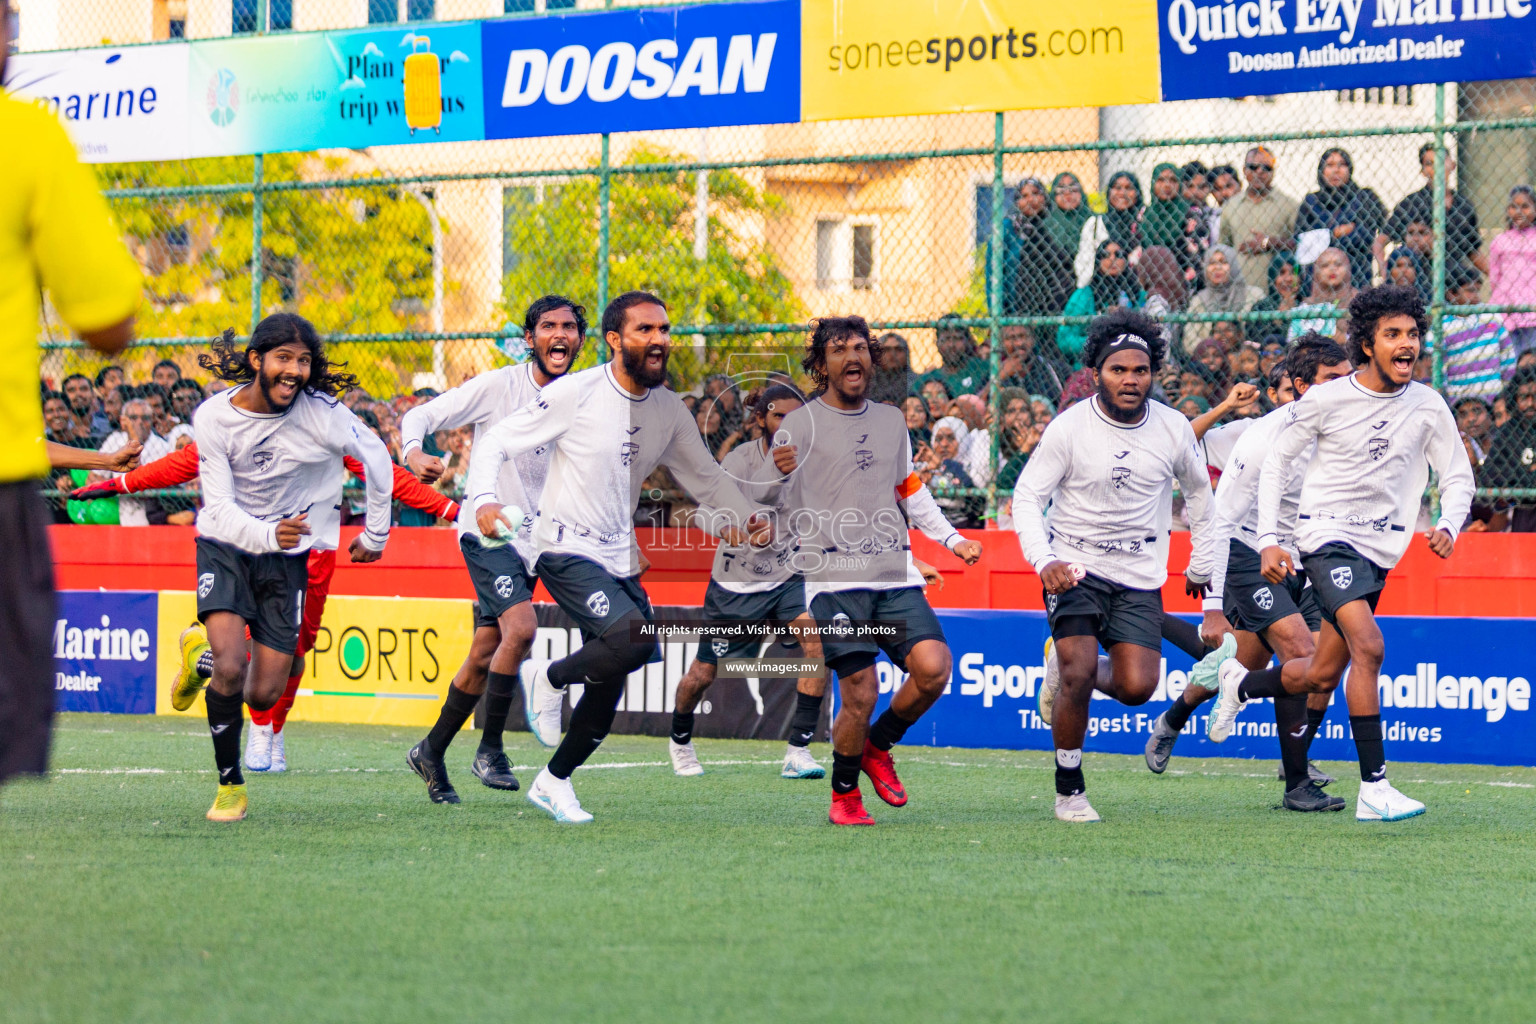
[423, 87]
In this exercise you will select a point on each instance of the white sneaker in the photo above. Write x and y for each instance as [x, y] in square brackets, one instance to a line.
[799, 764]
[1075, 808]
[1050, 686]
[1207, 670]
[557, 797]
[541, 701]
[279, 753]
[1379, 801]
[684, 761]
[258, 748]
[1228, 705]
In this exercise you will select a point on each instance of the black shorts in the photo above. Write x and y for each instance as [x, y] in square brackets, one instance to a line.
[585, 591]
[904, 605]
[1111, 613]
[1340, 574]
[265, 590]
[499, 576]
[26, 631]
[783, 603]
[1252, 603]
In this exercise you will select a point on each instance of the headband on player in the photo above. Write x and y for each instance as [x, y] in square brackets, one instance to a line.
[1120, 344]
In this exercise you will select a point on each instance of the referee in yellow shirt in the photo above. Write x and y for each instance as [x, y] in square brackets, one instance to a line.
[55, 233]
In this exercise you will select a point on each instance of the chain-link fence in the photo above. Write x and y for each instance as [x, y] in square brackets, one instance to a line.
[982, 242]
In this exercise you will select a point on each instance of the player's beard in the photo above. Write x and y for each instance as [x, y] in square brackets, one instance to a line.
[634, 365]
[1107, 403]
[266, 384]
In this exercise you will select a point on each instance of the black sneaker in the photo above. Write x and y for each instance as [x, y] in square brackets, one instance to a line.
[1310, 797]
[1314, 773]
[433, 772]
[493, 769]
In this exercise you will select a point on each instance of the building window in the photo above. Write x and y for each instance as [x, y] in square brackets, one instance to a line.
[536, 6]
[385, 12]
[826, 253]
[846, 255]
[244, 14]
[177, 28]
[863, 255]
[1392, 95]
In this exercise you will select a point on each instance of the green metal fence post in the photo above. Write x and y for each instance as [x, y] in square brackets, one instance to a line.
[1437, 274]
[256, 211]
[604, 222]
[994, 310]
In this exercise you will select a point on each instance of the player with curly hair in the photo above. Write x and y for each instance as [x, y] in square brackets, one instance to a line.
[1092, 509]
[1376, 433]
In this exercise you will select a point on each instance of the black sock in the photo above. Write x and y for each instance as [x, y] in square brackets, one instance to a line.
[499, 687]
[807, 716]
[610, 656]
[1373, 755]
[888, 730]
[1294, 733]
[205, 664]
[1178, 713]
[457, 707]
[224, 722]
[1069, 772]
[1185, 636]
[1315, 718]
[682, 727]
[845, 772]
[590, 722]
[1263, 683]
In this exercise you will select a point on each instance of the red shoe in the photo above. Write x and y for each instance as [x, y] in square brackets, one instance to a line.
[881, 770]
[848, 809]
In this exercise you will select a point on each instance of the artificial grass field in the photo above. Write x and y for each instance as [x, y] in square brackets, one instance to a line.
[347, 896]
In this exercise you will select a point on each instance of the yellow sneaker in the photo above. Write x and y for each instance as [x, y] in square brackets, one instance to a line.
[187, 684]
[229, 805]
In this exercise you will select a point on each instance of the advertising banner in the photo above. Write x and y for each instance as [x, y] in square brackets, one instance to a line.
[104, 645]
[876, 58]
[118, 105]
[645, 68]
[1452, 691]
[371, 87]
[1262, 47]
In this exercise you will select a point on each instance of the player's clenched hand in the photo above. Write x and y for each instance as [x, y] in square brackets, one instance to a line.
[1194, 589]
[362, 553]
[428, 468]
[784, 458]
[931, 576]
[760, 530]
[968, 551]
[1057, 577]
[1275, 564]
[1213, 627]
[490, 520]
[1441, 543]
[289, 531]
[125, 458]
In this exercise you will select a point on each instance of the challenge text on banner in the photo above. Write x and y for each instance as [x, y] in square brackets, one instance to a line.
[875, 58]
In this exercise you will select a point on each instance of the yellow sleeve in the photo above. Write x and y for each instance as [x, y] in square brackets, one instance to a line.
[80, 256]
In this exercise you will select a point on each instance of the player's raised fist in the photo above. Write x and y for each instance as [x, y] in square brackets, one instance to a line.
[1275, 564]
[361, 552]
[1441, 543]
[428, 468]
[290, 531]
[1058, 577]
[968, 551]
[785, 458]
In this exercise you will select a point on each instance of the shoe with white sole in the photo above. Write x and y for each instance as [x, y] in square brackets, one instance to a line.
[1050, 686]
[685, 761]
[1159, 747]
[1207, 670]
[258, 748]
[279, 753]
[558, 798]
[1228, 705]
[799, 764]
[1379, 801]
[1075, 808]
[541, 701]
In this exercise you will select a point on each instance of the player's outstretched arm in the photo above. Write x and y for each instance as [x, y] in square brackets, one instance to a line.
[353, 438]
[1448, 458]
[409, 491]
[1303, 419]
[63, 456]
[1036, 485]
[220, 516]
[1195, 484]
[926, 515]
[474, 401]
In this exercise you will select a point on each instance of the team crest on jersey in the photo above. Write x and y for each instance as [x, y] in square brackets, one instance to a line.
[1342, 577]
[627, 452]
[1264, 598]
[503, 586]
[597, 603]
[1376, 447]
[863, 458]
[719, 647]
[205, 584]
[1119, 476]
[841, 620]
[263, 460]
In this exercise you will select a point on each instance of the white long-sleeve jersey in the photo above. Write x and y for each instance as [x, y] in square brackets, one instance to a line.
[741, 568]
[482, 402]
[259, 468]
[1100, 493]
[843, 502]
[603, 442]
[1235, 510]
[1364, 484]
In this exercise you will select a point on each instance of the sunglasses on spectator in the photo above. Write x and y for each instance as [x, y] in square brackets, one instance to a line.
[1261, 167]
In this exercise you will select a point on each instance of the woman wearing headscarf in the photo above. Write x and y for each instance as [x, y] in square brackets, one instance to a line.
[1163, 279]
[1037, 272]
[1162, 222]
[940, 467]
[1352, 215]
[1331, 291]
[1225, 291]
[1285, 277]
[1111, 285]
[1068, 211]
[1118, 223]
[1406, 267]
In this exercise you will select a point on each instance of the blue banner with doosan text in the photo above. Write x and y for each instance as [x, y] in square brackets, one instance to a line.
[645, 68]
[1452, 691]
[1262, 47]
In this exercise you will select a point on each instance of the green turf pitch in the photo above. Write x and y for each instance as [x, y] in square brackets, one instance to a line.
[346, 896]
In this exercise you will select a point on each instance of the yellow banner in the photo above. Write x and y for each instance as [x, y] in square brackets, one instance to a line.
[380, 660]
[876, 58]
